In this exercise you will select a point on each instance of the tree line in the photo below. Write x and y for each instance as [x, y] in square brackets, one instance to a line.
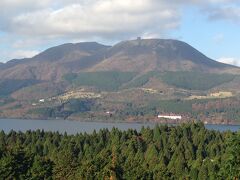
[187, 151]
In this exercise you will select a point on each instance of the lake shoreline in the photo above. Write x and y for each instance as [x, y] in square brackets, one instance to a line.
[117, 121]
[74, 127]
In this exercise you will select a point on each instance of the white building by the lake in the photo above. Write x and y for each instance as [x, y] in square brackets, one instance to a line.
[174, 117]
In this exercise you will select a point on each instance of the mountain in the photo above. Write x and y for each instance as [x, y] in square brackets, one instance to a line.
[53, 63]
[134, 63]
[134, 79]
[158, 55]
[134, 56]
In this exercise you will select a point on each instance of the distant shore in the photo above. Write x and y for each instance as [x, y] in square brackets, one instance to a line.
[95, 120]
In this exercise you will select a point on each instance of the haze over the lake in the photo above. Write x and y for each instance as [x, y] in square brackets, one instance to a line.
[28, 27]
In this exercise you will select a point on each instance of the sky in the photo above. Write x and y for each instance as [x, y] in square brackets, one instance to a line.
[28, 27]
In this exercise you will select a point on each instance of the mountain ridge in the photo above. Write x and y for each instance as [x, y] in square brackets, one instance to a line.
[145, 76]
[162, 52]
[140, 56]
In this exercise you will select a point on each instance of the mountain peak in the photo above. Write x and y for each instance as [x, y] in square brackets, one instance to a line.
[149, 42]
[167, 50]
[139, 55]
[58, 52]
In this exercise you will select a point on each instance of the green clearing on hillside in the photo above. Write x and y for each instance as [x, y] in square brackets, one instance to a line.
[196, 80]
[108, 80]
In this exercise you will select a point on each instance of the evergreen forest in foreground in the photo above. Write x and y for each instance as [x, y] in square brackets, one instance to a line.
[187, 151]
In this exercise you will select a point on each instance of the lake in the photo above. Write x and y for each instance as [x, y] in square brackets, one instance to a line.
[73, 127]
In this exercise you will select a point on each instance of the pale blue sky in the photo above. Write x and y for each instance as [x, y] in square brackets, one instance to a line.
[216, 39]
[28, 27]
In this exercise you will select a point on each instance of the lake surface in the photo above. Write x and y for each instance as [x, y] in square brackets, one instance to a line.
[73, 127]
